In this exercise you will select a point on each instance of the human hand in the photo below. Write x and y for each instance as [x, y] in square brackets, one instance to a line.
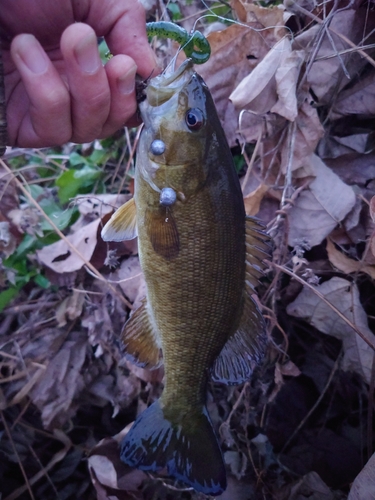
[57, 89]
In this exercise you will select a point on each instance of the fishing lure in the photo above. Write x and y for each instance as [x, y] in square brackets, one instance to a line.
[195, 45]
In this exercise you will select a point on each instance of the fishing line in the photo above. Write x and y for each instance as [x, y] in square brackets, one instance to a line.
[239, 23]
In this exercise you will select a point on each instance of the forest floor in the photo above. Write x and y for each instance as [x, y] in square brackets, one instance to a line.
[294, 86]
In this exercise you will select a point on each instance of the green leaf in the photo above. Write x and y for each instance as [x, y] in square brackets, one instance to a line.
[175, 12]
[7, 295]
[61, 218]
[76, 159]
[71, 182]
[42, 281]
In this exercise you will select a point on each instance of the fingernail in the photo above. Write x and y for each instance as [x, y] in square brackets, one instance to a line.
[87, 54]
[32, 54]
[126, 82]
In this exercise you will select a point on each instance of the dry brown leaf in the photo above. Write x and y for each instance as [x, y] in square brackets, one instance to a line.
[111, 477]
[289, 369]
[100, 204]
[60, 257]
[286, 85]
[8, 240]
[272, 85]
[61, 382]
[235, 53]
[261, 82]
[372, 209]
[308, 133]
[363, 487]
[319, 209]
[132, 281]
[358, 355]
[311, 487]
[237, 462]
[253, 200]
[105, 471]
[274, 16]
[358, 100]
[70, 308]
[326, 76]
[343, 263]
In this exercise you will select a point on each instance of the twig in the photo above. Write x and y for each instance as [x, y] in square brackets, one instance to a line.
[235, 406]
[370, 410]
[322, 297]
[340, 35]
[314, 407]
[54, 460]
[27, 483]
[3, 114]
[250, 163]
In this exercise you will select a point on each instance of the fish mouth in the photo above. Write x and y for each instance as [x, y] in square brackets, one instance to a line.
[164, 87]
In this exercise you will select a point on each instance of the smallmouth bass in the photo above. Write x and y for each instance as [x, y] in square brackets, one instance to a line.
[201, 257]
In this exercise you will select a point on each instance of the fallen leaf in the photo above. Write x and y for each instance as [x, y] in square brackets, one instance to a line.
[261, 82]
[132, 281]
[100, 204]
[319, 209]
[286, 85]
[61, 258]
[358, 355]
[237, 462]
[363, 486]
[311, 487]
[372, 208]
[235, 53]
[358, 100]
[361, 171]
[104, 470]
[274, 16]
[326, 76]
[8, 240]
[308, 133]
[61, 382]
[252, 201]
[70, 308]
[345, 264]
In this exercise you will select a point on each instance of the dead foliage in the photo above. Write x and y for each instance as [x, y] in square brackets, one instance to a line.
[294, 86]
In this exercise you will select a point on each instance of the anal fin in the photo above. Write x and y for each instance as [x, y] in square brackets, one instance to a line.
[123, 223]
[244, 349]
[141, 340]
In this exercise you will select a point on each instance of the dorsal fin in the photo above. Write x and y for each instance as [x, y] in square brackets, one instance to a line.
[246, 346]
[141, 340]
[123, 223]
[258, 248]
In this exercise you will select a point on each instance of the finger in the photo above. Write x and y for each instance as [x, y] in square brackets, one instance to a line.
[128, 36]
[88, 83]
[121, 72]
[47, 120]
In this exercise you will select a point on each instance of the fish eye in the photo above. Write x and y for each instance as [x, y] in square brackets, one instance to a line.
[194, 119]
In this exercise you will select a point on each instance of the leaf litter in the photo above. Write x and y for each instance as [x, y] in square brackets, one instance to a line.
[293, 85]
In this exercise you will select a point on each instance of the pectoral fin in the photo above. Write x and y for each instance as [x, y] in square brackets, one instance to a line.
[163, 233]
[244, 349]
[141, 340]
[123, 223]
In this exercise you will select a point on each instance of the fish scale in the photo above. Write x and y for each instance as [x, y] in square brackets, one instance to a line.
[201, 257]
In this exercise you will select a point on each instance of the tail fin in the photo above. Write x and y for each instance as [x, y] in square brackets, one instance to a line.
[189, 448]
